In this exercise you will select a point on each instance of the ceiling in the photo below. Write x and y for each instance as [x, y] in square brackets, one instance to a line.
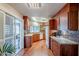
[47, 10]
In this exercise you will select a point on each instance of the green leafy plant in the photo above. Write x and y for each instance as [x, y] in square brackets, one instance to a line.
[7, 48]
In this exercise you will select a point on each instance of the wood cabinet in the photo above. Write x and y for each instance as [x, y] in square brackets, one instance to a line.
[73, 21]
[55, 47]
[35, 37]
[73, 17]
[27, 41]
[63, 49]
[69, 50]
[53, 24]
[26, 23]
[71, 9]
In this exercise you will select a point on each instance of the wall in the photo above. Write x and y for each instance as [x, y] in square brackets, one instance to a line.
[9, 9]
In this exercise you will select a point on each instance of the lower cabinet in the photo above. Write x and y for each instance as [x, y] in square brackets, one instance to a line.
[35, 37]
[69, 50]
[27, 41]
[55, 47]
[64, 49]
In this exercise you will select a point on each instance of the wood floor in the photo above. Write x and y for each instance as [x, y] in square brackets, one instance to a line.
[37, 49]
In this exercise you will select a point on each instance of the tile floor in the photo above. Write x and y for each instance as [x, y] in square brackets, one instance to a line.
[38, 49]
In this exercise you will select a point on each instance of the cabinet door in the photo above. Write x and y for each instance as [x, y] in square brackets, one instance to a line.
[53, 24]
[55, 48]
[73, 21]
[27, 41]
[69, 50]
[36, 37]
[73, 17]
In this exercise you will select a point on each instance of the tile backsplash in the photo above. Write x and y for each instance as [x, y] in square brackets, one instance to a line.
[72, 35]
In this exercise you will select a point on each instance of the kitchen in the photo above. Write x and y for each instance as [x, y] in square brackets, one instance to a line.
[62, 32]
[44, 31]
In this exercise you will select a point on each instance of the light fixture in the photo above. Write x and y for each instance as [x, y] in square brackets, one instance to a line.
[34, 5]
[35, 24]
[34, 19]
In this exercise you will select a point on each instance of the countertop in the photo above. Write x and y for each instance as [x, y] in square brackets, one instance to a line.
[30, 34]
[62, 40]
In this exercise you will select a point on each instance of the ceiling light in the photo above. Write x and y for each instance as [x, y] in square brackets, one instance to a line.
[34, 5]
[33, 18]
[35, 23]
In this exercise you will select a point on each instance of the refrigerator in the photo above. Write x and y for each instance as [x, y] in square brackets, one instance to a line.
[47, 36]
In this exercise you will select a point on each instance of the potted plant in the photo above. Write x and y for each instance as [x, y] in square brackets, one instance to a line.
[7, 49]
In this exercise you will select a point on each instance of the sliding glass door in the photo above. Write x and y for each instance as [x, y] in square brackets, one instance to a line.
[11, 32]
[17, 35]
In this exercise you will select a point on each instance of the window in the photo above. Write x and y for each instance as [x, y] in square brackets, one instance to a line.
[34, 28]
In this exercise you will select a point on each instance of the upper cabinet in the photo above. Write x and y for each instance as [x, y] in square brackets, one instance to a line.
[53, 24]
[73, 17]
[68, 17]
[26, 23]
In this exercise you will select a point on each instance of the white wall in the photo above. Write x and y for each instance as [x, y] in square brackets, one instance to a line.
[9, 9]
